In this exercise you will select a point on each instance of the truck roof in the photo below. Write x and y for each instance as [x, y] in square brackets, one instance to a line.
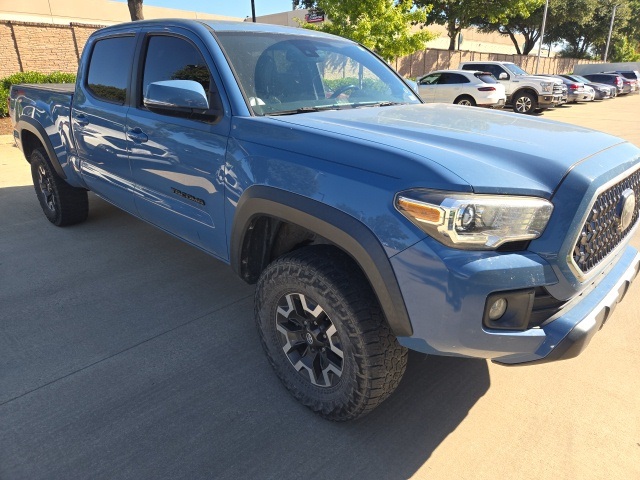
[222, 26]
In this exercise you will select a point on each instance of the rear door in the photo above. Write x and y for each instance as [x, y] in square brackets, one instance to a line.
[98, 118]
[178, 162]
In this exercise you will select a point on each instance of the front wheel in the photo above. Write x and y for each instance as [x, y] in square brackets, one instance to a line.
[465, 100]
[525, 103]
[325, 334]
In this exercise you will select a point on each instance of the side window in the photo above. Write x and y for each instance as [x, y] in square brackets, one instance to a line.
[173, 58]
[456, 78]
[496, 70]
[430, 79]
[109, 68]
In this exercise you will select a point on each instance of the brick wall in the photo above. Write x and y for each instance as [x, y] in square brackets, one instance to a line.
[41, 47]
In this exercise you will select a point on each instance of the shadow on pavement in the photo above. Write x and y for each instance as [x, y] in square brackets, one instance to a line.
[128, 354]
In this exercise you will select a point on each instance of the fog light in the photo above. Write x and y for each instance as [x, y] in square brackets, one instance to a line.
[497, 309]
[508, 310]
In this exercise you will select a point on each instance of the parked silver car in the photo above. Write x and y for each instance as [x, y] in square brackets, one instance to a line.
[602, 90]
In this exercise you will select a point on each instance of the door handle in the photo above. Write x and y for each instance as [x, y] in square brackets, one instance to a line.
[82, 120]
[137, 135]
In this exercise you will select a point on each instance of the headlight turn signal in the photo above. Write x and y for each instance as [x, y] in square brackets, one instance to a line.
[472, 221]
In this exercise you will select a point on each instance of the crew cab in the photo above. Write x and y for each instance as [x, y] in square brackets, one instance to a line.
[370, 222]
[525, 93]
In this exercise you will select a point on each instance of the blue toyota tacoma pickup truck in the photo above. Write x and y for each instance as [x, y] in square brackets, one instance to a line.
[370, 222]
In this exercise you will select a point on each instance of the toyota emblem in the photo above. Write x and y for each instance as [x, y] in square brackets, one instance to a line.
[625, 209]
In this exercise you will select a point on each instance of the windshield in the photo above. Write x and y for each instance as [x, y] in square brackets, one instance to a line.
[513, 68]
[283, 74]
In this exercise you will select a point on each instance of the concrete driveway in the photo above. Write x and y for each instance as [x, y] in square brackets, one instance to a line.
[126, 354]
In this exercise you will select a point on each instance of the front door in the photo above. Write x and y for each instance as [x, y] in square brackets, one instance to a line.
[177, 162]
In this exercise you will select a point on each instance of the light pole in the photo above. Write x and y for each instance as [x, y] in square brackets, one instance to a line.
[613, 16]
[544, 23]
[253, 11]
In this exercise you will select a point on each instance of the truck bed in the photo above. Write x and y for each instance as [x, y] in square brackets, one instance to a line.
[51, 87]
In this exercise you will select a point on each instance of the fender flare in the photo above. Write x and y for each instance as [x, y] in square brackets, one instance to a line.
[32, 126]
[526, 89]
[343, 230]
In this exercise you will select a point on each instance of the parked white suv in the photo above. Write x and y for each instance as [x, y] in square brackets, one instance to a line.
[526, 93]
[462, 87]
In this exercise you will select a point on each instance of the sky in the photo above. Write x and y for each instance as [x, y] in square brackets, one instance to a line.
[231, 8]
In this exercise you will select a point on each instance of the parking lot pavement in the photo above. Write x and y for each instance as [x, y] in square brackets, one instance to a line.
[125, 353]
[618, 116]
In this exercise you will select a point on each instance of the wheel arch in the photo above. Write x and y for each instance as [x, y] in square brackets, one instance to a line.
[32, 136]
[254, 241]
[525, 89]
[465, 95]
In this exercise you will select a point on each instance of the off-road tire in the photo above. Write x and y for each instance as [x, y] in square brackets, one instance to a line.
[525, 103]
[61, 203]
[373, 362]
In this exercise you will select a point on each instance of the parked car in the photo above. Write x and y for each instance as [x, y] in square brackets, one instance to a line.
[633, 76]
[575, 90]
[525, 93]
[611, 79]
[591, 93]
[602, 90]
[462, 87]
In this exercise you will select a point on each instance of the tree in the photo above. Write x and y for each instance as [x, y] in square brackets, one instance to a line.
[135, 9]
[526, 22]
[457, 15]
[384, 26]
[586, 36]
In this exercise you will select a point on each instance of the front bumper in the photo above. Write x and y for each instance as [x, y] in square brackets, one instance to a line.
[445, 296]
[549, 100]
[568, 335]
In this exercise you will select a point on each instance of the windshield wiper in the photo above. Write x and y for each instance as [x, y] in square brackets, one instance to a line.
[377, 104]
[306, 110]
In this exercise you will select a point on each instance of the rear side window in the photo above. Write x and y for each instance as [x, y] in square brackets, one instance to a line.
[452, 78]
[173, 58]
[109, 68]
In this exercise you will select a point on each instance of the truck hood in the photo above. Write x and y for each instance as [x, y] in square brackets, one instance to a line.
[493, 152]
[537, 78]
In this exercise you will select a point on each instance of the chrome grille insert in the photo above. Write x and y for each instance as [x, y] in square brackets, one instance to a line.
[603, 228]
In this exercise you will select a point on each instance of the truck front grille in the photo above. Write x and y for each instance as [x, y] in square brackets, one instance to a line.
[602, 231]
[558, 89]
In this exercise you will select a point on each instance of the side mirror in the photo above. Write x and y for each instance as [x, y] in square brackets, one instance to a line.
[413, 85]
[176, 94]
[183, 98]
[503, 76]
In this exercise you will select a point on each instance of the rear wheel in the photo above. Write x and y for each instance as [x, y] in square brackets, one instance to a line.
[325, 334]
[525, 103]
[61, 203]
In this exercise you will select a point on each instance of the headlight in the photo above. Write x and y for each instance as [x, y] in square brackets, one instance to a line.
[478, 222]
[547, 86]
